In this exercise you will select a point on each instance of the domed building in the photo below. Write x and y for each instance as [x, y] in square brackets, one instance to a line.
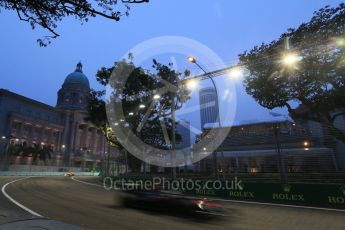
[64, 129]
[82, 140]
[74, 91]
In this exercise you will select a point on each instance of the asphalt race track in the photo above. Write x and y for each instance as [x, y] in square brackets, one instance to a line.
[93, 207]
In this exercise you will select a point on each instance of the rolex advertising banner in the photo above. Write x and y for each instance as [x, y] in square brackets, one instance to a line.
[325, 195]
[303, 194]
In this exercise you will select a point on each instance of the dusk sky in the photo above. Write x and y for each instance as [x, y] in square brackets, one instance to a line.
[226, 27]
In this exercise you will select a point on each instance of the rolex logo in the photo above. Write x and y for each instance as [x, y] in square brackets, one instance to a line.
[286, 188]
[342, 189]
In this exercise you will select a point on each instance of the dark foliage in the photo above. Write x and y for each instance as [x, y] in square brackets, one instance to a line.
[316, 80]
[140, 84]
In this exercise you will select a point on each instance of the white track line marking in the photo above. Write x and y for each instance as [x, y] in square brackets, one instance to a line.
[86, 182]
[246, 202]
[280, 205]
[3, 190]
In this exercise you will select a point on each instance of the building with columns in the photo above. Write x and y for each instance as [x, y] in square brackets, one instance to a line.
[74, 141]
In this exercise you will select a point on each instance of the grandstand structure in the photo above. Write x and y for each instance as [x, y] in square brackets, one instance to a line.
[256, 147]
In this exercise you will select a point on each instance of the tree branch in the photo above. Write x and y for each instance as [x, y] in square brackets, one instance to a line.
[337, 115]
[92, 10]
[47, 13]
[134, 1]
[44, 23]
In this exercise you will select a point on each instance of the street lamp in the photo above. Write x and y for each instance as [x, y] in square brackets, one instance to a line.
[142, 106]
[192, 84]
[340, 42]
[290, 59]
[3, 137]
[192, 59]
[131, 114]
[306, 144]
[236, 72]
[156, 96]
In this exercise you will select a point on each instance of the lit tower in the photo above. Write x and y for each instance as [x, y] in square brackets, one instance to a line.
[208, 106]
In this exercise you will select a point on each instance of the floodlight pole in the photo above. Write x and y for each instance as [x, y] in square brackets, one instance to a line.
[209, 76]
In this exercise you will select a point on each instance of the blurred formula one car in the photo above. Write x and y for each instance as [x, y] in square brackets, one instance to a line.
[69, 174]
[161, 200]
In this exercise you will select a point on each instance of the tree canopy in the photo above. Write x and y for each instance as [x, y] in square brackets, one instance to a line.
[305, 66]
[136, 98]
[49, 12]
